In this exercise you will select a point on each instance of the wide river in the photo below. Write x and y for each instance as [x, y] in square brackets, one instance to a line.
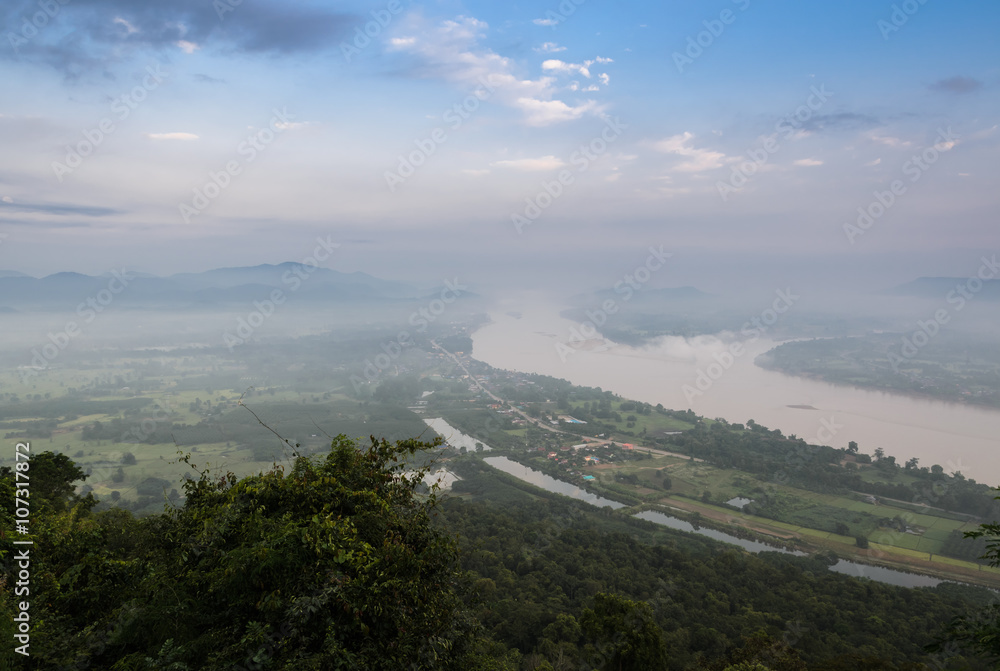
[958, 437]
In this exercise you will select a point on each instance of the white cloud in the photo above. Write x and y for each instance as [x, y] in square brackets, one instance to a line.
[699, 160]
[873, 163]
[7, 199]
[451, 51]
[532, 164]
[475, 173]
[808, 162]
[604, 77]
[549, 48]
[171, 136]
[545, 22]
[557, 65]
[983, 133]
[545, 112]
[561, 66]
[187, 47]
[889, 141]
[129, 28]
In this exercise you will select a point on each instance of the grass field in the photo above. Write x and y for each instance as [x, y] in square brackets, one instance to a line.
[800, 511]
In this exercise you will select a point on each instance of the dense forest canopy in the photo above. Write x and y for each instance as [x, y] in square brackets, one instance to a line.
[341, 562]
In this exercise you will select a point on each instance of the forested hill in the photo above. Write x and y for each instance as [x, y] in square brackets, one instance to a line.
[341, 563]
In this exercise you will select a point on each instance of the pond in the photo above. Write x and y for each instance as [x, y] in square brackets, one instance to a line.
[556, 486]
[453, 436]
[549, 483]
[876, 573]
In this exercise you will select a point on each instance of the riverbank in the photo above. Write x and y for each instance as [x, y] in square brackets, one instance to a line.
[957, 437]
[758, 534]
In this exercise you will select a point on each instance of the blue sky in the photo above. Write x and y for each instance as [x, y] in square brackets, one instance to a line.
[314, 124]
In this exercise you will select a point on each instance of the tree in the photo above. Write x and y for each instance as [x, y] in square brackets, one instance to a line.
[334, 564]
[980, 632]
[624, 635]
[128, 459]
[52, 477]
[879, 454]
[852, 447]
[118, 476]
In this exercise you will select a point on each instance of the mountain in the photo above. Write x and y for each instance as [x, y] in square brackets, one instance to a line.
[941, 287]
[220, 286]
[290, 274]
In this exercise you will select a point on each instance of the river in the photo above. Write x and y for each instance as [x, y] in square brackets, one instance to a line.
[548, 483]
[958, 437]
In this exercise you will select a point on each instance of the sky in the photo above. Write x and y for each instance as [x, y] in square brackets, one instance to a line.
[523, 143]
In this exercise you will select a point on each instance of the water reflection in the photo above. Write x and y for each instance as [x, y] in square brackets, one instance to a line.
[453, 436]
[876, 573]
[556, 486]
[549, 483]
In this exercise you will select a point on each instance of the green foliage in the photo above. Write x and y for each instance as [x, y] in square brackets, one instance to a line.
[339, 564]
[153, 487]
[548, 561]
[980, 631]
[623, 635]
[51, 478]
[334, 565]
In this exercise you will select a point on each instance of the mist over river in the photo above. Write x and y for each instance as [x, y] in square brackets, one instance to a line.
[958, 437]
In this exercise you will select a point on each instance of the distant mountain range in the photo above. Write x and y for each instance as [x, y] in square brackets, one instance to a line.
[940, 287]
[213, 287]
